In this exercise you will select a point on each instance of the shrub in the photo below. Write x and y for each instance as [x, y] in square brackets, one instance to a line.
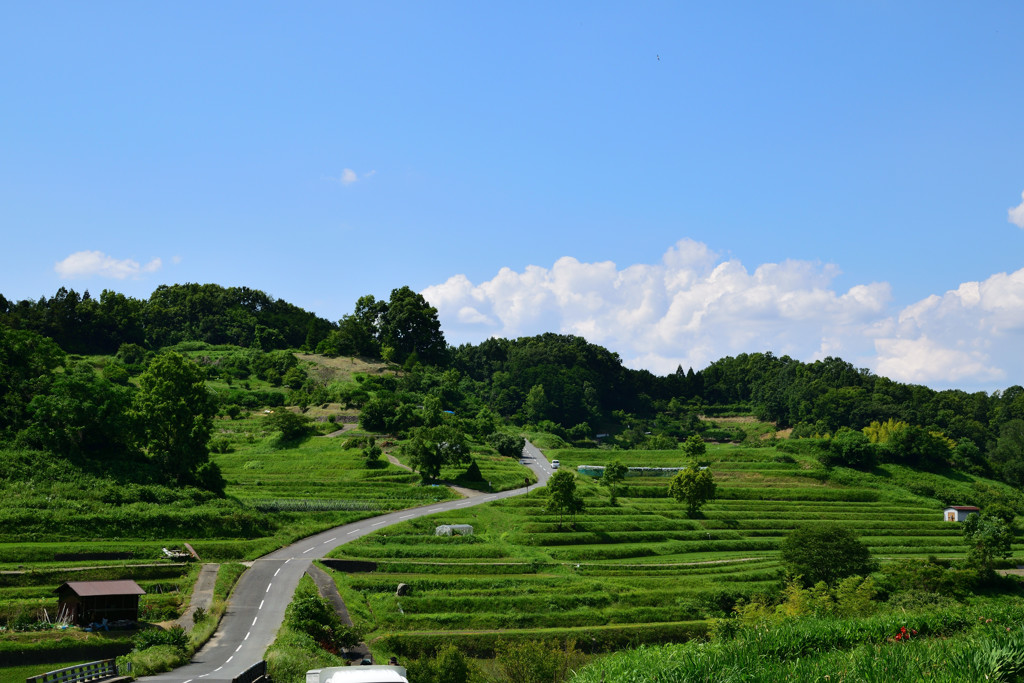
[448, 666]
[537, 662]
[314, 616]
[151, 637]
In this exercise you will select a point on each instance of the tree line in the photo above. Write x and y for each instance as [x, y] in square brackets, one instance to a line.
[557, 383]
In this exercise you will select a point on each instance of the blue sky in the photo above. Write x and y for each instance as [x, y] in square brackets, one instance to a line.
[676, 181]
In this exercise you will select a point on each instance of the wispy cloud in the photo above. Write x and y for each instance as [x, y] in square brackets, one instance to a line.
[92, 263]
[695, 307]
[349, 176]
[1016, 214]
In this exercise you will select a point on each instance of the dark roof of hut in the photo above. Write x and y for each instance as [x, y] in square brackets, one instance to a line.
[93, 588]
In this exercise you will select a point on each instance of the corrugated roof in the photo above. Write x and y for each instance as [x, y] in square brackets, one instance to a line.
[91, 588]
[963, 508]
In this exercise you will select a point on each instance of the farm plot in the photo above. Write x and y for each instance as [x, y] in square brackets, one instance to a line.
[636, 571]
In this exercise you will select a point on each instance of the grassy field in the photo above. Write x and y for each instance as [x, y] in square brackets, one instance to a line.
[638, 571]
[624, 574]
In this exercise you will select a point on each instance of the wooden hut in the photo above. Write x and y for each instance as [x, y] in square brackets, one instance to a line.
[90, 602]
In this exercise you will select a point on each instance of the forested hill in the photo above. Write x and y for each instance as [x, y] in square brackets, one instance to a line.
[560, 383]
[208, 313]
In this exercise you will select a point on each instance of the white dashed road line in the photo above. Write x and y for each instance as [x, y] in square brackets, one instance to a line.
[378, 523]
[278, 571]
[353, 532]
[407, 516]
[268, 587]
[435, 509]
[330, 540]
[254, 621]
[308, 549]
[261, 605]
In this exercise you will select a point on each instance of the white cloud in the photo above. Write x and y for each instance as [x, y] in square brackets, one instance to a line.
[972, 333]
[690, 309]
[1016, 214]
[693, 307]
[91, 263]
[349, 176]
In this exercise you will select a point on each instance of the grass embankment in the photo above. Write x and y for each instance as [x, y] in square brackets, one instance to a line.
[294, 651]
[623, 568]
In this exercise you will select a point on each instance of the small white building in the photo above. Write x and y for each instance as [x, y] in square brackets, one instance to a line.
[959, 513]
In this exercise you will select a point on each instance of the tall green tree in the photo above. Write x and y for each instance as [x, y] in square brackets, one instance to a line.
[410, 325]
[507, 445]
[431, 448]
[536, 406]
[82, 415]
[694, 486]
[176, 413]
[988, 539]
[27, 361]
[825, 552]
[612, 477]
[562, 496]
[694, 447]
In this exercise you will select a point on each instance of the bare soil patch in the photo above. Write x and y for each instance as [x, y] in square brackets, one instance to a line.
[340, 368]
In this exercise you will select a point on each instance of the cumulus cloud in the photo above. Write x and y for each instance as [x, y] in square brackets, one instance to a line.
[972, 333]
[92, 263]
[689, 309]
[694, 307]
[1016, 214]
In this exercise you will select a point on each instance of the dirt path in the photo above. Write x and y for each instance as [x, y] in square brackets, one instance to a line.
[339, 432]
[202, 595]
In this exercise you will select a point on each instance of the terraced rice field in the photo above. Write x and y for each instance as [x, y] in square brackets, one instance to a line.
[634, 572]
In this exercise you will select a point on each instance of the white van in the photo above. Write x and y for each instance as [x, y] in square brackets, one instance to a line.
[554, 464]
[358, 674]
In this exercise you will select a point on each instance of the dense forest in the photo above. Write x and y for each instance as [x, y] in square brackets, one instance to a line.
[51, 400]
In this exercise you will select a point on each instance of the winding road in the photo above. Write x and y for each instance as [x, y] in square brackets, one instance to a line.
[257, 605]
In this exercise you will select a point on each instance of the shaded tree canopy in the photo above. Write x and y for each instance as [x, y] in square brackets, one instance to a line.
[176, 413]
[562, 496]
[693, 486]
[825, 552]
[431, 448]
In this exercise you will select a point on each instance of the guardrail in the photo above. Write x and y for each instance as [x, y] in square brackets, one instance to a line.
[257, 673]
[102, 670]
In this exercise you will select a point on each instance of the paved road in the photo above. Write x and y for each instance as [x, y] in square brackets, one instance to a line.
[263, 592]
